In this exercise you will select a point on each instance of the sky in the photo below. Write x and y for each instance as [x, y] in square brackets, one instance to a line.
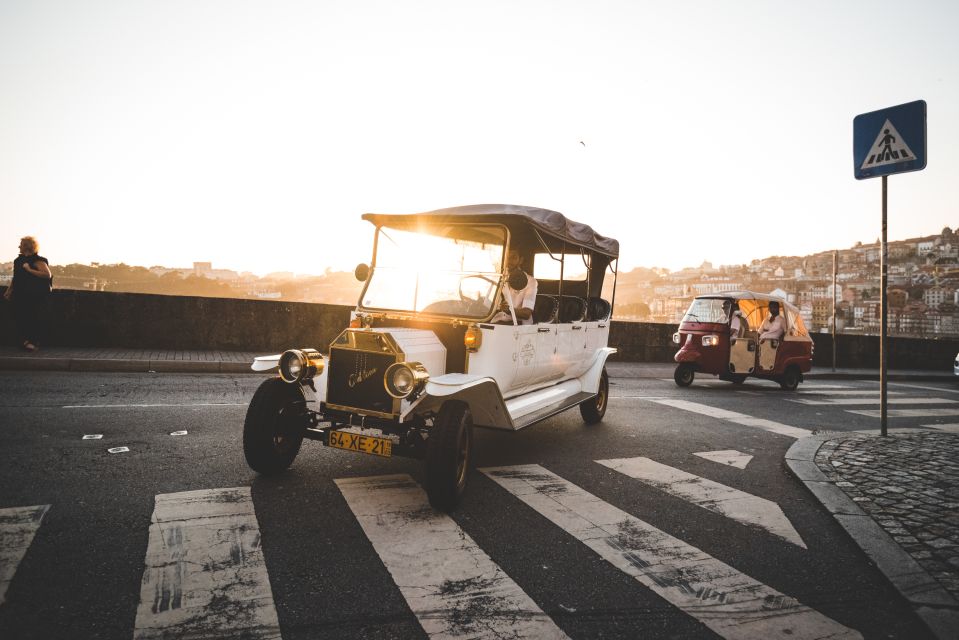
[254, 134]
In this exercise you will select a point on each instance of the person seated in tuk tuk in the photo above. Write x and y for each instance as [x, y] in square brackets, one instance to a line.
[737, 325]
[521, 288]
[774, 326]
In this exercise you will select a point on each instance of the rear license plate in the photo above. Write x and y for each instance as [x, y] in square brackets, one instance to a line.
[363, 444]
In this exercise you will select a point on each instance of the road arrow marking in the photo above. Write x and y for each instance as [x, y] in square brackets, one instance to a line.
[729, 457]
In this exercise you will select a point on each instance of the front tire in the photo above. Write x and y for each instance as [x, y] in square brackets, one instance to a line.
[790, 379]
[684, 374]
[274, 425]
[449, 455]
[594, 409]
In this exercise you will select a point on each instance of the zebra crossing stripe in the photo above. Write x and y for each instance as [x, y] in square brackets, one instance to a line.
[908, 413]
[920, 386]
[849, 401]
[453, 588]
[205, 575]
[732, 416]
[847, 392]
[726, 501]
[730, 603]
[18, 525]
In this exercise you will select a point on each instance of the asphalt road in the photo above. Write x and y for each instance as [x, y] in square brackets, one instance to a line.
[329, 574]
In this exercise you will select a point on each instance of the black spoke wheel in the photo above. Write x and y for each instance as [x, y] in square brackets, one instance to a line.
[594, 409]
[274, 426]
[790, 379]
[449, 455]
[684, 374]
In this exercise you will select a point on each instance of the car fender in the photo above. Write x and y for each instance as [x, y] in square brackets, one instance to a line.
[265, 363]
[590, 380]
[481, 393]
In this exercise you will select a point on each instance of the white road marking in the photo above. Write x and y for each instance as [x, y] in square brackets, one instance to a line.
[806, 385]
[205, 575]
[948, 428]
[729, 457]
[874, 400]
[919, 386]
[454, 589]
[18, 525]
[908, 413]
[732, 416]
[730, 603]
[136, 406]
[118, 450]
[847, 392]
[726, 501]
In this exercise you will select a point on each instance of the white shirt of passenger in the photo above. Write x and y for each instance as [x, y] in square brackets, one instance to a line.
[773, 328]
[735, 324]
[525, 297]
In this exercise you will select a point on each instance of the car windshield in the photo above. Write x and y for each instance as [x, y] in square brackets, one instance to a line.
[452, 271]
[706, 310]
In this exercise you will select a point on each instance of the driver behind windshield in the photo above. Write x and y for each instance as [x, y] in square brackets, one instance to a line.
[521, 289]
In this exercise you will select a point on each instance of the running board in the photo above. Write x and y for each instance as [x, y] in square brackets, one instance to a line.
[551, 410]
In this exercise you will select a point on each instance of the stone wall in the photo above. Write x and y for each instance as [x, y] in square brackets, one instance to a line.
[133, 320]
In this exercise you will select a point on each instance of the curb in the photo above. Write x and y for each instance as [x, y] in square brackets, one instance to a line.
[106, 365]
[935, 606]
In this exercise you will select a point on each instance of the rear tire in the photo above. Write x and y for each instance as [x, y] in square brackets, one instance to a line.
[274, 426]
[790, 379]
[449, 455]
[738, 378]
[684, 374]
[594, 409]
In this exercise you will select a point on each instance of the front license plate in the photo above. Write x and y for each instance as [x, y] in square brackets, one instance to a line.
[363, 444]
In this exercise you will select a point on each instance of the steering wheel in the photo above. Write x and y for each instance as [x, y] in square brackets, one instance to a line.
[477, 304]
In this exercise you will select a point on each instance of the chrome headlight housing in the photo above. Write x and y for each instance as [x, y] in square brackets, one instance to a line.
[300, 365]
[676, 338]
[710, 341]
[403, 379]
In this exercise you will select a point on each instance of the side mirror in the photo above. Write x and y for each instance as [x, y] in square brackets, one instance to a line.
[362, 272]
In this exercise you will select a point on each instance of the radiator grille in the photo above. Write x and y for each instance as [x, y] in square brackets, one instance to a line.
[356, 380]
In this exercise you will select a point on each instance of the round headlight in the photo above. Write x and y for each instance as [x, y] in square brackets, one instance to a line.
[299, 365]
[404, 378]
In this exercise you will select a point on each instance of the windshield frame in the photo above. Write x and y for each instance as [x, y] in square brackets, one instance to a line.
[409, 313]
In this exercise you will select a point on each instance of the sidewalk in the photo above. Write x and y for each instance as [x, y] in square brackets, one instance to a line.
[897, 497]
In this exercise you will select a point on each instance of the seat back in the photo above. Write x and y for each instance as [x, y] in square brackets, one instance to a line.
[572, 309]
[597, 308]
[544, 309]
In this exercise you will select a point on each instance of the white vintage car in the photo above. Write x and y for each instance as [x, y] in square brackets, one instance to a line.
[435, 347]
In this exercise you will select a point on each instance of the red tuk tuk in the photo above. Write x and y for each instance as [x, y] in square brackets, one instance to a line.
[710, 341]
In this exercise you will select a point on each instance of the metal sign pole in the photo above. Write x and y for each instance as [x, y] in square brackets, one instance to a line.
[883, 302]
[835, 268]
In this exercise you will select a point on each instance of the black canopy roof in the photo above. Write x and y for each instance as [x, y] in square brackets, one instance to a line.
[518, 219]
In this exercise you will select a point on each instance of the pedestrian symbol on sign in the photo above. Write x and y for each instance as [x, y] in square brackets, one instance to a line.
[889, 148]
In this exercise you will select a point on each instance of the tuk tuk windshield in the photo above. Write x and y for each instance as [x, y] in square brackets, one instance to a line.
[706, 310]
[454, 274]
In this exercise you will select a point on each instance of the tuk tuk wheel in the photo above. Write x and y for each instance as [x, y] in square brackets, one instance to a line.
[274, 426]
[684, 374]
[594, 409]
[449, 455]
[790, 379]
[738, 378]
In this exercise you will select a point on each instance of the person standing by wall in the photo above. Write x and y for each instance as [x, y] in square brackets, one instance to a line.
[28, 291]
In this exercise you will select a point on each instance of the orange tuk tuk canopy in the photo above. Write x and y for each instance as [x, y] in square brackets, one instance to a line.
[755, 307]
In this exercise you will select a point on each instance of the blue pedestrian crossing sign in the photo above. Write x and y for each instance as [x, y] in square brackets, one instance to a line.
[890, 140]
